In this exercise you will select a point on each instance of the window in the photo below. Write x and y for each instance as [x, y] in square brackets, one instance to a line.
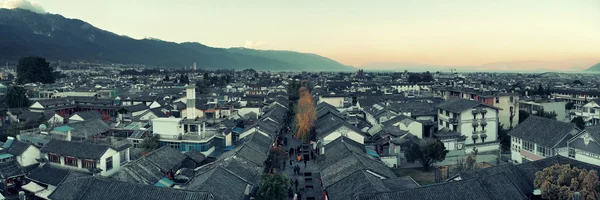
[447, 114]
[543, 151]
[447, 125]
[123, 156]
[592, 110]
[54, 158]
[528, 146]
[109, 163]
[455, 127]
[497, 99]
[89, 164]
[441, 112]
[174, 145]
[71, 161]
[512, 99]
[571, 153]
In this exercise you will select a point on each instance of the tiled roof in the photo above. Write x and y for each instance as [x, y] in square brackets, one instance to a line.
[341, 160]
[544, 131]
[166, 158]
[75, 149]
[17, 147]
[89, 115]
[195, 156]
[48, 174]
[457, 105]
[10, 169]
[594, 131]
[96, 188]
[216, 180]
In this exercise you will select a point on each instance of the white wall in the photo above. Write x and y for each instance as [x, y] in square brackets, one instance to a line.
[167, 127]
[246, 110]
[344, 130]
[337, 102]
[491, 129]
[115, 161]
[504, 114]
[414, 127]
[75, 118]
[29, 156]
[587, 159]
[199, 113]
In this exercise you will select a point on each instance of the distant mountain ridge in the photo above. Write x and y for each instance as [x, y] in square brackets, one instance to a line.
[24, 33]
[594, 68]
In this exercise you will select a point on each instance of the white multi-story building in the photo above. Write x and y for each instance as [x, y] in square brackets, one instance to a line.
[590, 112]
[463, 124]
[508, 103]
[99, 158]
[585, 147]
[537, 138]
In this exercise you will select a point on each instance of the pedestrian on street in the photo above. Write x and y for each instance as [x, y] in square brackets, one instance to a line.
[299, 195]
[290, 193]
[304, 163]
[296, 184]
[291, 164]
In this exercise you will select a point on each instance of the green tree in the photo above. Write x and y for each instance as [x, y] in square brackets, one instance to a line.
[16, 97]
[577, 82]
[579, 122]
[273, 187]
[150, 143]
[504, 138]
[166, 78]
[427, 151]
[277, 157]
[559, 182]
[2, 115]
[523, 115]
[469, 163]
[9, 133]
[34, 69]
[549, 115]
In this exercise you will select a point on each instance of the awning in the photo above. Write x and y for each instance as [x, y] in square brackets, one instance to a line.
[33, 187]
[44, 194]
[372, 153]
[164, 182]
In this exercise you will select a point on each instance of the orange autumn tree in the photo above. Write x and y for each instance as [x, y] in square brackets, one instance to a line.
[305, 115]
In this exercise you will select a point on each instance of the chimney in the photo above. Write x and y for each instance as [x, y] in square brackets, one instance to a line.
[203, 127]
[191, 101]
[69, 135]
[576, 196]
[22, 195]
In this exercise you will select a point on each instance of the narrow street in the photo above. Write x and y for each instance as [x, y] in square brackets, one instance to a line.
[309, 184]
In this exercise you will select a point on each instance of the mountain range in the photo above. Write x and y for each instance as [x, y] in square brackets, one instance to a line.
[571, 65]
[25, 33]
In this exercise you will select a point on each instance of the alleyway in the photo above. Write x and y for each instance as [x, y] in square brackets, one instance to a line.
[309, 184]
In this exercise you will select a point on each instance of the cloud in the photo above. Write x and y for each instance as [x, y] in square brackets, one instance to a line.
[255, 45]
[23, 4]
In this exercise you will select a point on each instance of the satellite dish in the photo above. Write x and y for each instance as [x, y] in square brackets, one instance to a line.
[42, 127]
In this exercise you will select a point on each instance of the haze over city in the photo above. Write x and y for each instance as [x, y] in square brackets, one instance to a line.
[550, 35]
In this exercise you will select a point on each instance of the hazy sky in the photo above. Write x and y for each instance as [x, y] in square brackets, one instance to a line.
[354, 32]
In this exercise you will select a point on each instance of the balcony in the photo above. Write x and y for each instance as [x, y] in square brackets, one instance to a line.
[453, 121]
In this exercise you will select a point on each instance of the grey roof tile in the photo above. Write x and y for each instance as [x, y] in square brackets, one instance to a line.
[75, 149]
[96, 188]
[544, 131]
[457, 105]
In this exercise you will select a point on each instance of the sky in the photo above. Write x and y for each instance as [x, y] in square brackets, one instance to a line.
[356, 32]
